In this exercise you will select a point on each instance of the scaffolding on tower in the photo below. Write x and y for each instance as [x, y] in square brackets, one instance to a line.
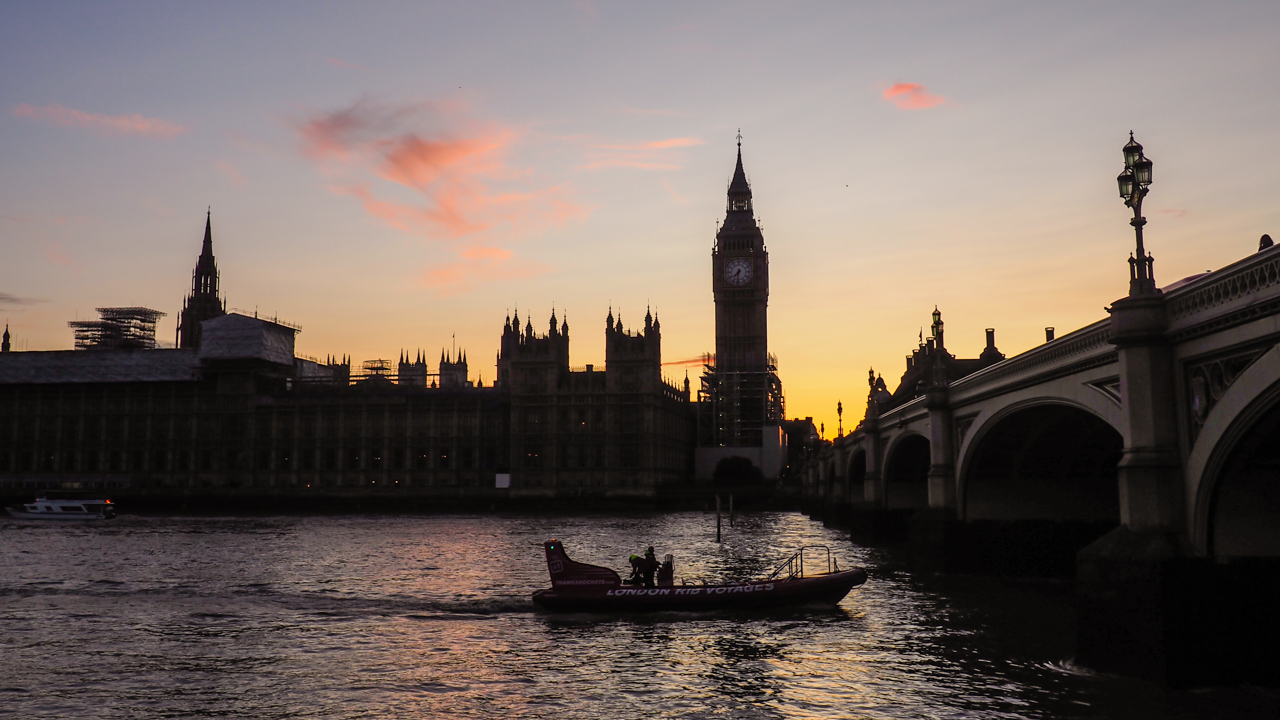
[121, 328]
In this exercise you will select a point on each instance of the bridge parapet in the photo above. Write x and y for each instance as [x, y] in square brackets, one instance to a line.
[908, 411]
[1071, 353]
[1243, 291]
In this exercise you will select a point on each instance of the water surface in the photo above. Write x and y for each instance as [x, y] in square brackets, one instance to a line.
[424, 617]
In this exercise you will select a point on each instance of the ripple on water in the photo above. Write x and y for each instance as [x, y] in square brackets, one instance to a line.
[355, 617]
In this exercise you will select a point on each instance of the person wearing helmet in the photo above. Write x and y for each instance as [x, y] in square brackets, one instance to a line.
[648, 566]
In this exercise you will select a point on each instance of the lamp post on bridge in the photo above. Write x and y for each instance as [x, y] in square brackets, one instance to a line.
[1122, 604]
[1133, 183]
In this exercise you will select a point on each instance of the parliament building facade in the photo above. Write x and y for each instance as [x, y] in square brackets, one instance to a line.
[232, 411]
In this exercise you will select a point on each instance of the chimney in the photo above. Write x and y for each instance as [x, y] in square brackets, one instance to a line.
[991, 338]
[1048, 334]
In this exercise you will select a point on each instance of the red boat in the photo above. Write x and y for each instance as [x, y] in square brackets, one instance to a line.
[579, 587]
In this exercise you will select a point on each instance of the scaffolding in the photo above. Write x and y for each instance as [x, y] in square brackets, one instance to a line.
[126, 328]
[735, 407]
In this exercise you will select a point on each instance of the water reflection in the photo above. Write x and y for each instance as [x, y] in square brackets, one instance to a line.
[430, 617]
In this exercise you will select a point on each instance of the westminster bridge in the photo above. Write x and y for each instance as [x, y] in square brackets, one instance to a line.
[1142, 451]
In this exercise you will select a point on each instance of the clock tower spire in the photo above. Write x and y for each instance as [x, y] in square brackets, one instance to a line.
[740, 405]
[740, 282]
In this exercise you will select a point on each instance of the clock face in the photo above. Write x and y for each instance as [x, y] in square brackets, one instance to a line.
[737, 271]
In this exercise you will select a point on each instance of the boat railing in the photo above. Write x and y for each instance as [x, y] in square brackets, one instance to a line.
[793, 567]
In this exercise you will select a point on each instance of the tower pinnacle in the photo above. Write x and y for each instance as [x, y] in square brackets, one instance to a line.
[739, 188]
[203, 303]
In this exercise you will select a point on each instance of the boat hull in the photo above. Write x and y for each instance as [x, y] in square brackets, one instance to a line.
[65, 516]
[827, 590]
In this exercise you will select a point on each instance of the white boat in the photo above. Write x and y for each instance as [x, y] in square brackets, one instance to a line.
[54, 508]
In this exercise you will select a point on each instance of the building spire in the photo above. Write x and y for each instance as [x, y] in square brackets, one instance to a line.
[739, 188]
[206, 250]
[204, 302]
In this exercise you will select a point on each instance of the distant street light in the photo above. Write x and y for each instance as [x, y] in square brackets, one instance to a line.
[1134, 182]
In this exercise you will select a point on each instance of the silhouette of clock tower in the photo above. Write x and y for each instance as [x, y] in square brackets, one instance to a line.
[740, 283]
[740, 405]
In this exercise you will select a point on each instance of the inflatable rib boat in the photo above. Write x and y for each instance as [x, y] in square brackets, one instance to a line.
[579, 587]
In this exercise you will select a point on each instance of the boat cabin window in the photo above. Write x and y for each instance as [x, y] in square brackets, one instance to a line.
[72, 508]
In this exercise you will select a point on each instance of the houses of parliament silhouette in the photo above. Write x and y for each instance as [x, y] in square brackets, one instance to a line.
[231, 410]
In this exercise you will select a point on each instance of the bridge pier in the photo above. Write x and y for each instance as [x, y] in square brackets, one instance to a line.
[1150, 472]
[1133, 618]
[942, 468]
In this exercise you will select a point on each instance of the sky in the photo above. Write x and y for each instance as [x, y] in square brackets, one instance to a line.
[400, 176]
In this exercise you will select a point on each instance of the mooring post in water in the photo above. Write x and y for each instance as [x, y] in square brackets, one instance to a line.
[730, 509]
[717, 518]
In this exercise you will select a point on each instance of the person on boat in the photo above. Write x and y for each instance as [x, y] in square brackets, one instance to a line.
[649, 565]
[637, 571]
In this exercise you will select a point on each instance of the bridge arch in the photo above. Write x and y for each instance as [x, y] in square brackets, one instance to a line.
[1042, 459]
[906, 472]
[1233, 471]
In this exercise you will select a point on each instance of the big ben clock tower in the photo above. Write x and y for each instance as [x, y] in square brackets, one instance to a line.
[740, 283]
[740, 404]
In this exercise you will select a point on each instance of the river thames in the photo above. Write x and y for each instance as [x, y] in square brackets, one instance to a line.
[430, 617]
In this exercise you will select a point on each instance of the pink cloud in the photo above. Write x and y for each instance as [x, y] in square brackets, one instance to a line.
[134, 124]
[677, 197]
[229, 172]
[1177, 213]
[656, 144]
[451, 163]
[912, 96]
[484, 253]
[54, 253]
[628, 110]
[479, 265]
[627, 162]
[50, 219]
[347, 65]
[651, 155]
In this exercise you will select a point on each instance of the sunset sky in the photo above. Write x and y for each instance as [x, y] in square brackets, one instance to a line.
[390, 175]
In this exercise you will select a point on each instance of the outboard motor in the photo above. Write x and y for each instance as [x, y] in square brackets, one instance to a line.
[667, 573]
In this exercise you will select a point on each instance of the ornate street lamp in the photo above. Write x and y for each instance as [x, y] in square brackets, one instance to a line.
[1133, 183]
